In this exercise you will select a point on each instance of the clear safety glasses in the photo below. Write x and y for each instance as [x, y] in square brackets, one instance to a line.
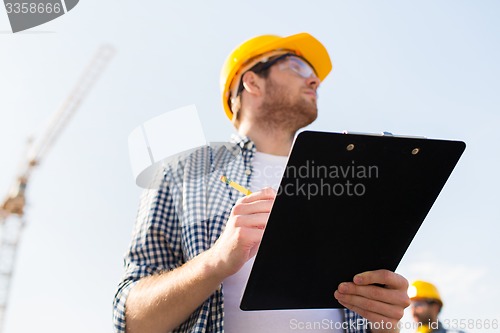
[298, 66]
[292, 62]
[424, 303]
[284, 61]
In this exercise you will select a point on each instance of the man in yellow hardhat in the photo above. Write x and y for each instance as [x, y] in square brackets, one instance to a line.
[194, 241]
[426, 304]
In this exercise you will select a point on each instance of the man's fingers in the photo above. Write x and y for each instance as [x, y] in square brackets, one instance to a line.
[252, 235]
[373, 305]
[373, 302]
[372, 292]
[383, 322]
[258, 220]
[384, 277]
[254, 207]
[384, 295]
[264, 194]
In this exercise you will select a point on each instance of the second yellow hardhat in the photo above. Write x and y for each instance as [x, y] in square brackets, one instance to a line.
[302, 44]
[424, 290]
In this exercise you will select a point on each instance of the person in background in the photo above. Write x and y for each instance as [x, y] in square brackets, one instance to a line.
[426, 304]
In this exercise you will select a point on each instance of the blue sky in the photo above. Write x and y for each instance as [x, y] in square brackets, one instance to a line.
[410, 67]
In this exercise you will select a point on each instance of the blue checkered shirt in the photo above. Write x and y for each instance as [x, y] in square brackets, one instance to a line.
[182, 216]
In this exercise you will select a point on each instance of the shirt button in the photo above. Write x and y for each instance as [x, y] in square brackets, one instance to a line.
[248, 172]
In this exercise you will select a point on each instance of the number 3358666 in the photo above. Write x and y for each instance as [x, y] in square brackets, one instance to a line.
[32, 8]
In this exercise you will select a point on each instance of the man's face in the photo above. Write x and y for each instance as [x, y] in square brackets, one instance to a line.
[424, 311]
[289, 100]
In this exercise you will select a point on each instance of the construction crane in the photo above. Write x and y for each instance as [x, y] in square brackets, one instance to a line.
[12, 208]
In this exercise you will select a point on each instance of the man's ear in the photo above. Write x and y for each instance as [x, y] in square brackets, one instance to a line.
[252, 83]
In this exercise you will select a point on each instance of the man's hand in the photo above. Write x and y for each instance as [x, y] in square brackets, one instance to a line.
[379, 304]
[179, 292]
[244, 229]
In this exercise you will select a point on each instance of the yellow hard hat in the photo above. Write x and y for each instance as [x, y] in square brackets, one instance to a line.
[302, 44]
[423, 290]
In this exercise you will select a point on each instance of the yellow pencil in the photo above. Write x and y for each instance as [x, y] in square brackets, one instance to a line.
[235, 185]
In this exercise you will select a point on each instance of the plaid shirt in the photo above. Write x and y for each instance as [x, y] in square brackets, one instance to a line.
[182, 216]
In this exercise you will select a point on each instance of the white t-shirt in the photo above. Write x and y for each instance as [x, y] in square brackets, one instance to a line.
[267, 171]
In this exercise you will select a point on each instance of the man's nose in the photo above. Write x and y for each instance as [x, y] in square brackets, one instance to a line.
[313, 82]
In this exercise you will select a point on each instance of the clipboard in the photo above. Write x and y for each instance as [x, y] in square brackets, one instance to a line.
[347, 203]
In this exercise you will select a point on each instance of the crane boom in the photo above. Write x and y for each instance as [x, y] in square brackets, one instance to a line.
[70, 105]
[12, 208]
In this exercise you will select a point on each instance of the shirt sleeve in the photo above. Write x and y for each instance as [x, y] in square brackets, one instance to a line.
[354, 323]
[155, 245]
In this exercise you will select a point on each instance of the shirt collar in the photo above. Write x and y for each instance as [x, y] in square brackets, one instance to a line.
[243, 141]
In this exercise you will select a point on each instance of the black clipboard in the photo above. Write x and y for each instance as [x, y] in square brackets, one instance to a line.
[314, 241]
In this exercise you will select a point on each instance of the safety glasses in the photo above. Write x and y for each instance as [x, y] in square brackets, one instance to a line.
[292, 62]
[285, 61]
[298, 66]
[423, 303]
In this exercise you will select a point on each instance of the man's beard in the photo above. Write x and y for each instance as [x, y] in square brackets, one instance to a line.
[282, 110]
